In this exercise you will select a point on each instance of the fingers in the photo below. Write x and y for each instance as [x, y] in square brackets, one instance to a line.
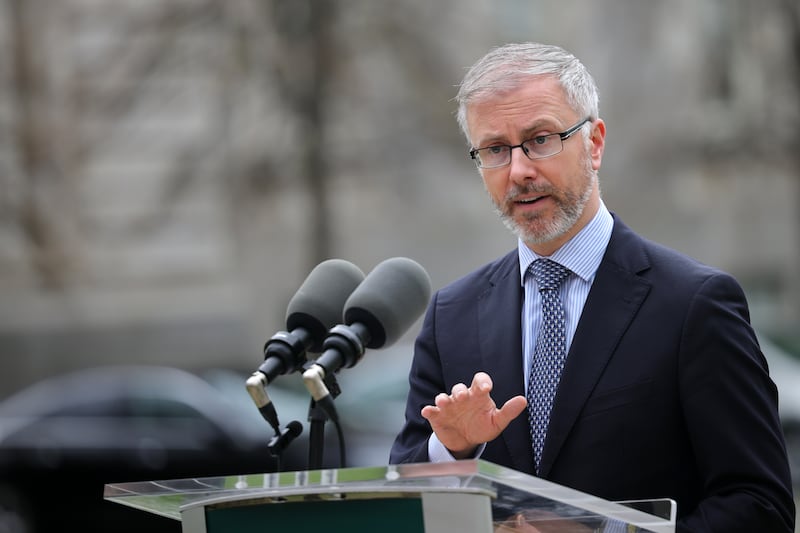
[429, 412]
[508, 412]
[460, 394]
[459, 391]
[481, 385]
[482, 382]
[442, 401]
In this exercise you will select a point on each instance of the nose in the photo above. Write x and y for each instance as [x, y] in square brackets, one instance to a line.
[521, 169]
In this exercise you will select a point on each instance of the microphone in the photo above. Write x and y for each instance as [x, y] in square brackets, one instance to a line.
[279, 442]
[313, 310]
[376, 315]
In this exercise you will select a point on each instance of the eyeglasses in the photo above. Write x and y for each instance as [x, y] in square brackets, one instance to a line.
[539, 147]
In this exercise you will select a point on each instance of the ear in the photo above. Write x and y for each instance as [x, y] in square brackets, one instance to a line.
[598, 142]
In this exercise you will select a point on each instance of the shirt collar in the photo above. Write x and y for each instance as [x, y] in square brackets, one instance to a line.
[582, 254]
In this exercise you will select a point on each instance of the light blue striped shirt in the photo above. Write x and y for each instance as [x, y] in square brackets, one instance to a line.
[582, 255]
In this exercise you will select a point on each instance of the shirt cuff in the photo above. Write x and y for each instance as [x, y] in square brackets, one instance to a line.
[437, 453]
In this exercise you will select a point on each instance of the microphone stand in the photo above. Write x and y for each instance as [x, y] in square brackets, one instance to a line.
[317, 416]
[316, 439]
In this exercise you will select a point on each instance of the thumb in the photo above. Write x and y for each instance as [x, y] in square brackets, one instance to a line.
[510, 410]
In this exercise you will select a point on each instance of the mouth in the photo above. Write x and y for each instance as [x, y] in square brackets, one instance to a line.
[531, 200]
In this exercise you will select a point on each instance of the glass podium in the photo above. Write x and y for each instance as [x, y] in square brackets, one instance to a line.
[464, 496]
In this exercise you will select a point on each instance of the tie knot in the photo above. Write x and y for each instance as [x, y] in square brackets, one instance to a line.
[548, 274]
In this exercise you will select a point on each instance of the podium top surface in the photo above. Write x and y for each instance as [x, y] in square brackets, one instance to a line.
[512, 492]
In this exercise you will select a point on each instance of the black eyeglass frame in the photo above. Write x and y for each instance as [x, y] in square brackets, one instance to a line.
[564, 135]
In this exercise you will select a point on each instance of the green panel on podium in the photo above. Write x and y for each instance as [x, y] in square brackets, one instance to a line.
[389, 515]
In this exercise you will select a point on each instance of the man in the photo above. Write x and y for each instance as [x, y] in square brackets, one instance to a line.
[647, 381]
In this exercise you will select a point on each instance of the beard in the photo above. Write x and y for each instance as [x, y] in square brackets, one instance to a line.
[539, 229]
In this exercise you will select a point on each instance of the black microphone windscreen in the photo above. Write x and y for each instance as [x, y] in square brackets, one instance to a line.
[318, 304]
[389, 300]
[295, 428]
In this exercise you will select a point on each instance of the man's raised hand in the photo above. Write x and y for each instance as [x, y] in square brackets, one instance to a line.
[468, 417]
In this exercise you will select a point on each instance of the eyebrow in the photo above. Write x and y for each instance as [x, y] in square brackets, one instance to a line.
[527, 133]
[539, 125]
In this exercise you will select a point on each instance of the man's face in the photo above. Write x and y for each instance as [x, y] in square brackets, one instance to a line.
[544, 201]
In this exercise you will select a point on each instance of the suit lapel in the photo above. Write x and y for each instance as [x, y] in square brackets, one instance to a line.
[614, 299]
[500, 334]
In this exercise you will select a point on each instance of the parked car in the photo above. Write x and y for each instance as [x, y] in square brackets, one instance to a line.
[63, 438]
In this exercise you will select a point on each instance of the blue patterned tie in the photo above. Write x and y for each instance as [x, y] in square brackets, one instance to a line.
[549, 353]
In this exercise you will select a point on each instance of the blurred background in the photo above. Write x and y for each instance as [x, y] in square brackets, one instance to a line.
[171, 170]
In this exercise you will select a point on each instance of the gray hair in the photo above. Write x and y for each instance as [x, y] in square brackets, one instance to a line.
[507, 67]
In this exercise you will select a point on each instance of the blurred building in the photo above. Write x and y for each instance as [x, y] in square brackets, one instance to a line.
[171, 171]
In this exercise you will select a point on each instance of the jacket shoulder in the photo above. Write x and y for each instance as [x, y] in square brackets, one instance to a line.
[474, 284]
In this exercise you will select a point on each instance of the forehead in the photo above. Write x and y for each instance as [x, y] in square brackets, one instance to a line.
[536, 103]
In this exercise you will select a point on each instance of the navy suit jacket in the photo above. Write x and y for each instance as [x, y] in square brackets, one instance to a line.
[665, 392]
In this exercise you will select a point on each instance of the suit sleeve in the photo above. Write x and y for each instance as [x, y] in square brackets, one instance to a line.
[425, 382]
[730, 405]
